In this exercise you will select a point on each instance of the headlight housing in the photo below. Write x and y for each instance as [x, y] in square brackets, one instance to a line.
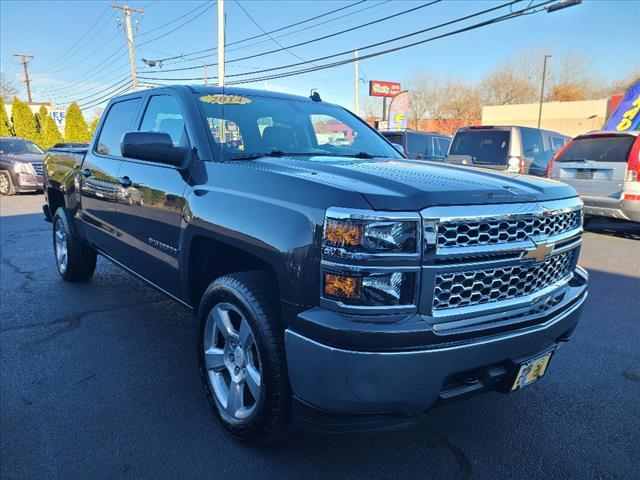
[370, 289]
[370, 259]
[23, 167]
[359, 234]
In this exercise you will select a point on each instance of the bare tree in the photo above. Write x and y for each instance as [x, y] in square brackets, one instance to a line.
[8, 89]
[370, 108]
[424, 96]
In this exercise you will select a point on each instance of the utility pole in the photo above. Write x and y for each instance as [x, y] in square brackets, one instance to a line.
[221, 43]
[544, 74]
[127, 21]
[205, 75]
[24, 59]
[356, 85]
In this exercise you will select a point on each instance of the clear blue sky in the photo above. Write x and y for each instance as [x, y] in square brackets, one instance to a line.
[70, 66]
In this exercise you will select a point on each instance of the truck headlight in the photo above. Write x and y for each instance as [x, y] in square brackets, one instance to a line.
[370, 289]
[353, 232]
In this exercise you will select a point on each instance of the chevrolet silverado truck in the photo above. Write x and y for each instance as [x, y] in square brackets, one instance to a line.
[337, 285]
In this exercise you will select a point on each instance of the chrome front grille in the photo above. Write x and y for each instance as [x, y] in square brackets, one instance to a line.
[481, 286]
[492, 231]
[37, 167]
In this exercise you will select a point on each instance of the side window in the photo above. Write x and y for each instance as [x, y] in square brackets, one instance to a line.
[557, 143]
[417, 144]
[163, 114]
[330, 131]
[440, 146]
[119, 120]
[531, 142]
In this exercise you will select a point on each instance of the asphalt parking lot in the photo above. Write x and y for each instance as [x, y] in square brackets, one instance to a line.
[100, 380]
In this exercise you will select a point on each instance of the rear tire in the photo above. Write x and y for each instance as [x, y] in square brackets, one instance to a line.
[76, 262]
[242, 358]
[6, 184]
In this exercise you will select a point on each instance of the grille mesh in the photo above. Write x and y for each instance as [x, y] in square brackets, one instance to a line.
[475, 287]
[505, 230]
[37, 167]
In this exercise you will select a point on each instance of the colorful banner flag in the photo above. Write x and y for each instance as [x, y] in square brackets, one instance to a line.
[626, 116]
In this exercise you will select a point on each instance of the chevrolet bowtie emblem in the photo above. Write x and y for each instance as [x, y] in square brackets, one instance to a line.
[539, 252]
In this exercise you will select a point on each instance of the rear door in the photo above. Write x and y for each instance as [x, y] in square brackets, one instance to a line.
[595, 165]
[149, 206]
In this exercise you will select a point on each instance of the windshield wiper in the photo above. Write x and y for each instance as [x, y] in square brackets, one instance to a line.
[357, 155]
[252, 156]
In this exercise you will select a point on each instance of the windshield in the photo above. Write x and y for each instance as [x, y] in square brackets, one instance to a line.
[246, 126]
[599, 149]
[483, 146]
[17, 146]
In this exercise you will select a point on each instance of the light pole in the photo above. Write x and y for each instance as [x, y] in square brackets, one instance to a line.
[544, 74]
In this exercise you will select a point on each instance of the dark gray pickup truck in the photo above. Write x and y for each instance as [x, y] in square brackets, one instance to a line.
[338, 286]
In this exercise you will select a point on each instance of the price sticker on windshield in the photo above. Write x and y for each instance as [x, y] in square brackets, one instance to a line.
[221, 99]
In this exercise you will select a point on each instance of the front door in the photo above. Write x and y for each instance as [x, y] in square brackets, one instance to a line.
[149, 210]
[100, 184]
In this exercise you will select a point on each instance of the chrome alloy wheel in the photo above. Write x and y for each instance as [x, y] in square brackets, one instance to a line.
[4, 184]
[233, 362]
[60, 245]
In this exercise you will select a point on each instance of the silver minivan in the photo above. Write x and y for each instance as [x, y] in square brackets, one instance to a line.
[511, 148]
[604, 168]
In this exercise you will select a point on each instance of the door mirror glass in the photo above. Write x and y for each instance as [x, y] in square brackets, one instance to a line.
[153, 147]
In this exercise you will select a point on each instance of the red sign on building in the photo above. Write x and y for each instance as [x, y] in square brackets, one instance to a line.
[383, 89]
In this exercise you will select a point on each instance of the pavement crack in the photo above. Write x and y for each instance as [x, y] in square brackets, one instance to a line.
[465, 470]
[89, 377]
[634, 377]
[28, 274]
[69, 323]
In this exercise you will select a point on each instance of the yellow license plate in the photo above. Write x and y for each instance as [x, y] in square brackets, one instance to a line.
[531, 370]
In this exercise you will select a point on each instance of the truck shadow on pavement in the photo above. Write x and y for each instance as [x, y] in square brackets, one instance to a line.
[616, 228]
[100, 380]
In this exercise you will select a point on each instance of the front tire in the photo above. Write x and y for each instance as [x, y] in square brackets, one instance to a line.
[76, 262]
[6, 184]
[242, 359]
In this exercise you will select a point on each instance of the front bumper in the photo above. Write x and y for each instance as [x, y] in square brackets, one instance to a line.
[27, 182]
[370, 388]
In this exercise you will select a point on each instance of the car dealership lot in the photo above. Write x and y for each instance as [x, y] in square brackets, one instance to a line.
[100, 380]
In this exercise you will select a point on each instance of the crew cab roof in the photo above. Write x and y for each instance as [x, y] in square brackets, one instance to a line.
[205, 90]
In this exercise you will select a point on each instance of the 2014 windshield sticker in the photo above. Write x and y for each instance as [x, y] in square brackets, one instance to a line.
[225, 99]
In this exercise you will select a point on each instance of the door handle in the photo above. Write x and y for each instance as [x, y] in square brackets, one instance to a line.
[126, 182]
[86, 172]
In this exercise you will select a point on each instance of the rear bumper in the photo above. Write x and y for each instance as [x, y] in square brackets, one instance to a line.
[338, 389]
[620, 209]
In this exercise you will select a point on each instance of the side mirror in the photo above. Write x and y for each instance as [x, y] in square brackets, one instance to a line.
[152, 146]
[399, 148]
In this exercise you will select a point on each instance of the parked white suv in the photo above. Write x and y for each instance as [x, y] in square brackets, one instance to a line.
[511, 148]
[604, 168]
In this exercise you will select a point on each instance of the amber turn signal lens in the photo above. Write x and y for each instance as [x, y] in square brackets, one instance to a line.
[341, 233]
[341, 286]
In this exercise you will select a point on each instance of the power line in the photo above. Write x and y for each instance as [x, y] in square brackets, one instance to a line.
[383, 52]
[70, 49]
[313, 40]
[211, 4]
[173, 21]
[366, 47]
[162, 60]
[267, 34]
[113, 93]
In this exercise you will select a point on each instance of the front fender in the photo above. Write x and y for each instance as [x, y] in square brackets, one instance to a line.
[283, 236]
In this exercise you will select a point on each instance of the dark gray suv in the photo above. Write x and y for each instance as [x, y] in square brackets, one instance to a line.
[20, 166]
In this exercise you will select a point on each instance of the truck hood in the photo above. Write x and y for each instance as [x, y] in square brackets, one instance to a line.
[390, 184]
